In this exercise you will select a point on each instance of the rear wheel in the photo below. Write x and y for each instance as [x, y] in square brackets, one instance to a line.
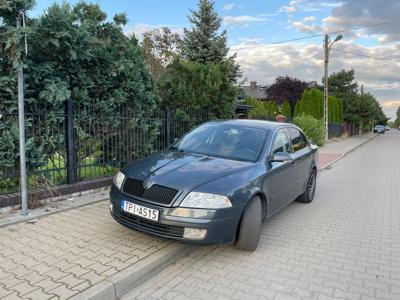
[250, 226]
[309, 193]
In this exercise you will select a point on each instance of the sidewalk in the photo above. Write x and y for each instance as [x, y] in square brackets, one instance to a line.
[79, 251]
[337, 148]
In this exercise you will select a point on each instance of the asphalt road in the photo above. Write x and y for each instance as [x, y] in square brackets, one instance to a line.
[344, 245]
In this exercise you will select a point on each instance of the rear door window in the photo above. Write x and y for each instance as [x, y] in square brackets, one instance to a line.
[297, 139]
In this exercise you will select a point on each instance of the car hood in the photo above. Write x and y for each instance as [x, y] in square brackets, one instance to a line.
[183, 170]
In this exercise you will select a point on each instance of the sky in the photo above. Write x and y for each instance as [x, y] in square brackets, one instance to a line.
[253, 26]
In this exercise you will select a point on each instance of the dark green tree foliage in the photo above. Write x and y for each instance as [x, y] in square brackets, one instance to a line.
[73, 52]
[10, 58]
[204, 43]
[397, 121]
[342, 84]
[205, 77]
[95, 62]
[199, 86]
[286, 111]
[312, 104]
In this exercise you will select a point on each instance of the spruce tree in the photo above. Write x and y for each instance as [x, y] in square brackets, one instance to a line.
[204, 43]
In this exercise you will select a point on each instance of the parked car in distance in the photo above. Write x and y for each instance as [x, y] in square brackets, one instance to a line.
[379, 129]
[387, 128]
[217, 183]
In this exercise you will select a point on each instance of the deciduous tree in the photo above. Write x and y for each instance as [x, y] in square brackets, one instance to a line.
[286, 88]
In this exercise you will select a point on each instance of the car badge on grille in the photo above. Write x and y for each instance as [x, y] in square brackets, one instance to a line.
[147, 183]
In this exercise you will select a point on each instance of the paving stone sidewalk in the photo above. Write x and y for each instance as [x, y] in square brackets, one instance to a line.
[58, 256]
[336, 148]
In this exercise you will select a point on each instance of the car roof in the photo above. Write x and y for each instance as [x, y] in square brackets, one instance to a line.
[260, 124]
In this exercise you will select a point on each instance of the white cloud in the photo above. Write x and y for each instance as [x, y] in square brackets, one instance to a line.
[288, 9]
[305, 61]
[366, 12]
[330, 4]
[309, 19]
[228, 6]
[241, 20]
[306, 28]
[292, 7]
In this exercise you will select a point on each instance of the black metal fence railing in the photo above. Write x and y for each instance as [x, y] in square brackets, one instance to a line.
[79, 143]
[83, 143]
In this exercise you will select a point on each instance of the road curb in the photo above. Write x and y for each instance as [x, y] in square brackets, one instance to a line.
[346, 153]
[23, 219]
[117, 285]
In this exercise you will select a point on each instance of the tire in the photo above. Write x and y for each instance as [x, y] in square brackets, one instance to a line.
[308, 195]
[250, 226]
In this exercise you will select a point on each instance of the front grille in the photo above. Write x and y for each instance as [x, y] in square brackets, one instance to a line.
[133, 187]
[156, 193]
[144, 225]
[160, 194]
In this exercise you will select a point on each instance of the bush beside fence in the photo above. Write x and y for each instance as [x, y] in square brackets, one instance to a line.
[85, 143]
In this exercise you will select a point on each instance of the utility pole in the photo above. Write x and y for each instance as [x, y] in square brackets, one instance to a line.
[21, 121]
[327, 49]
[326, 62]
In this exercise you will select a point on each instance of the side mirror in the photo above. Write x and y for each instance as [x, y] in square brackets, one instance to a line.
[281, 157]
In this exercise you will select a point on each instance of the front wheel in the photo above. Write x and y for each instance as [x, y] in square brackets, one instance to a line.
[250, 226]
[309, 193]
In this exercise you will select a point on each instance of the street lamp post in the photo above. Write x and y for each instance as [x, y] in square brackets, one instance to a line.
[327, 48]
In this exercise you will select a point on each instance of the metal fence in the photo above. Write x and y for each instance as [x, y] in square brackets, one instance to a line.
[83, 143]
[334, 130]
[80, 143]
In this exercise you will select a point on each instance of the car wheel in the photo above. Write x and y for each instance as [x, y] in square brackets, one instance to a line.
[250, 226]
[309, 193]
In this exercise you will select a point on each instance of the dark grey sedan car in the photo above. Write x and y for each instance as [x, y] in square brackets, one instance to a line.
[217, 183]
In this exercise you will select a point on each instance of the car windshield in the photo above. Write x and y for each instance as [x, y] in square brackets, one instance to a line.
[224, 140]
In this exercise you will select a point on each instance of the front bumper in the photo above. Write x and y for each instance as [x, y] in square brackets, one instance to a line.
[221, 228]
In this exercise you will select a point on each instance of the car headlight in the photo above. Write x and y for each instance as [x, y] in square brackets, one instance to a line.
[205, 200]
[119, 180]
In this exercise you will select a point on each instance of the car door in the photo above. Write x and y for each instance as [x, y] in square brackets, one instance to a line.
[280, 181]
[302, 155]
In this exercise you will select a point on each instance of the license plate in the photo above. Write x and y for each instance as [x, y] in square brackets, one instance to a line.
[141, 211]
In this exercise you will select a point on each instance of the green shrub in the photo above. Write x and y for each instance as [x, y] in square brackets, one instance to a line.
[261, 109]
[313, 128]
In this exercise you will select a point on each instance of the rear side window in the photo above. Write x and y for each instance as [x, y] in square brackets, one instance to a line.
[297, 138]
[281, 142]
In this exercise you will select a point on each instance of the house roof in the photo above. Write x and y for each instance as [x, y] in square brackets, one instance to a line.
[258, 92]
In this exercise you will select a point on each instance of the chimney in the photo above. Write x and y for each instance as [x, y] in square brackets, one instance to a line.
[253, 85]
